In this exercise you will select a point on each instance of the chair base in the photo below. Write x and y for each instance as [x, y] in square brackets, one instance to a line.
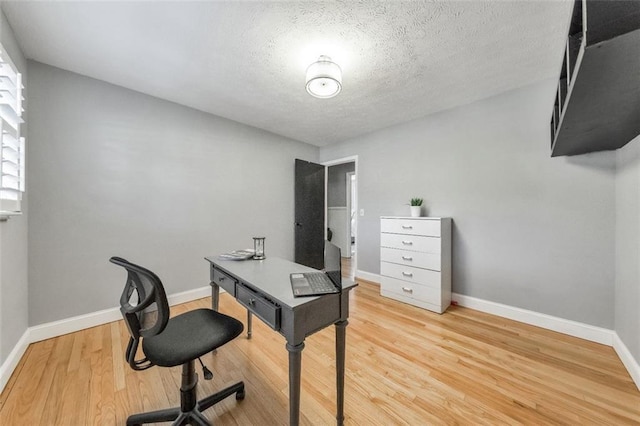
[190, 410]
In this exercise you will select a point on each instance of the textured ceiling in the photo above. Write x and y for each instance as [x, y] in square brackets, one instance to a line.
[246, 61]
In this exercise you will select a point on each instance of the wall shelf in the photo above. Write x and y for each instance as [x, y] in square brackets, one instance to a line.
[597, 103]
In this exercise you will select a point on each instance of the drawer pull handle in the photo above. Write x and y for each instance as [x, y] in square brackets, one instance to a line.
[409, 258]
[221, 279]
[252, 301]
[407, 243]
[407, 227]
[407, 290]
[408, 274]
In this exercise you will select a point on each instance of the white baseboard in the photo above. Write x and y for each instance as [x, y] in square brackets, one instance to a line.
[70, 325]
[77, 323]
[572, 328]
[627, 359]
[561, 325]
[10, 364]
[189, 295]
[368, 276]
[81, 322]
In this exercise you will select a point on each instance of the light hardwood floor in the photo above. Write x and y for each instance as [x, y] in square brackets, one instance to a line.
[405, 366]
[347, 267]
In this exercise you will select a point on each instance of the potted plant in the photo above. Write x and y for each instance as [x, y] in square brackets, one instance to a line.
[416, 206]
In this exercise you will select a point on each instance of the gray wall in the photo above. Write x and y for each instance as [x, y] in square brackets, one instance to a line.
[116, 172]
[627, 290]
[337, 184]
[13, 238]
[529, 231]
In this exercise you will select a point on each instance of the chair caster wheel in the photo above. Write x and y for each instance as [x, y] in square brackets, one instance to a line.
[240, 395]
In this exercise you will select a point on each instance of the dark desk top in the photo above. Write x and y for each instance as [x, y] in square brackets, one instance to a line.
[270, 277]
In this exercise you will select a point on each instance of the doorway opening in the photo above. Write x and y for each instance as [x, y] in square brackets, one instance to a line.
[341, 210]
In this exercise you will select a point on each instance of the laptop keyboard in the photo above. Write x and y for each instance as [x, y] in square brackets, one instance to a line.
[319, 282]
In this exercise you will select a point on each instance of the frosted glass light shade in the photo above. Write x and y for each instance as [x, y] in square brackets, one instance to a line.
[324, 78]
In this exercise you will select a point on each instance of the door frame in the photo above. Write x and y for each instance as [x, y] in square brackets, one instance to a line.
[350, 191]
[337, 161]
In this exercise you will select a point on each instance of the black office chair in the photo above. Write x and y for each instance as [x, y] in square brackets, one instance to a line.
[170, 342]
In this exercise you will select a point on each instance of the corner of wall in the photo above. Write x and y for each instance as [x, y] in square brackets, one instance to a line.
[630, 363]
[627, 247]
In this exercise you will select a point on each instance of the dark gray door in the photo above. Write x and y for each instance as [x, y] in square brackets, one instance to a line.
[309, 214]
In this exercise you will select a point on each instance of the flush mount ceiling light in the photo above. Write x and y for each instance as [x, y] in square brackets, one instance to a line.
[324, 78]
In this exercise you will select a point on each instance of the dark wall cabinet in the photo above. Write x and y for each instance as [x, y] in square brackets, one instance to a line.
[597, 104]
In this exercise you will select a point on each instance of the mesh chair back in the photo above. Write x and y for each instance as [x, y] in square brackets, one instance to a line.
[144, 307]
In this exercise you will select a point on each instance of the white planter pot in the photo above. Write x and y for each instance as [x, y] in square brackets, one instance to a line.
[415, 211]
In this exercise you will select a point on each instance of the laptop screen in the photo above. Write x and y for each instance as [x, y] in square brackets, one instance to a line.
[332, 263]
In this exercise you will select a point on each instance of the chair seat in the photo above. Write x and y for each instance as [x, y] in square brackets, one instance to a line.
[189, 336]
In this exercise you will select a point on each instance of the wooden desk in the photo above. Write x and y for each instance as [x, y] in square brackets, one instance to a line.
[263, 287]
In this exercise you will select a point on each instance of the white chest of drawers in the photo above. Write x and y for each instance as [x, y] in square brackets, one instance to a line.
[415, 261]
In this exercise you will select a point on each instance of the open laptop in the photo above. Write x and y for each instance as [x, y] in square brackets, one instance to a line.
[321, 282]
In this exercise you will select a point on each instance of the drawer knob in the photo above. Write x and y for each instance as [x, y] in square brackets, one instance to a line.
[252, 301]
[407, 227]
[407, 290]
[407, 243]
[221, 279]
[409, 258]
[408, 274]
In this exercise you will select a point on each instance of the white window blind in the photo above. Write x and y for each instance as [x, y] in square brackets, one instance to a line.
[12, 145]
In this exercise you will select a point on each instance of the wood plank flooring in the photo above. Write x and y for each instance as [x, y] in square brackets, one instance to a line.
[405, 366]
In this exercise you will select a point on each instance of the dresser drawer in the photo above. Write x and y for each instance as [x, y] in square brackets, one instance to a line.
[411, 291]
[411, 258]
[430, 228]
[254, 302]
[224, 280]
[425, 277]
[411, 242]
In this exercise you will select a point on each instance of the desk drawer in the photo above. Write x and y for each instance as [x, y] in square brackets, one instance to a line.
[426, 227]
[224, 280]
[258, 305]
